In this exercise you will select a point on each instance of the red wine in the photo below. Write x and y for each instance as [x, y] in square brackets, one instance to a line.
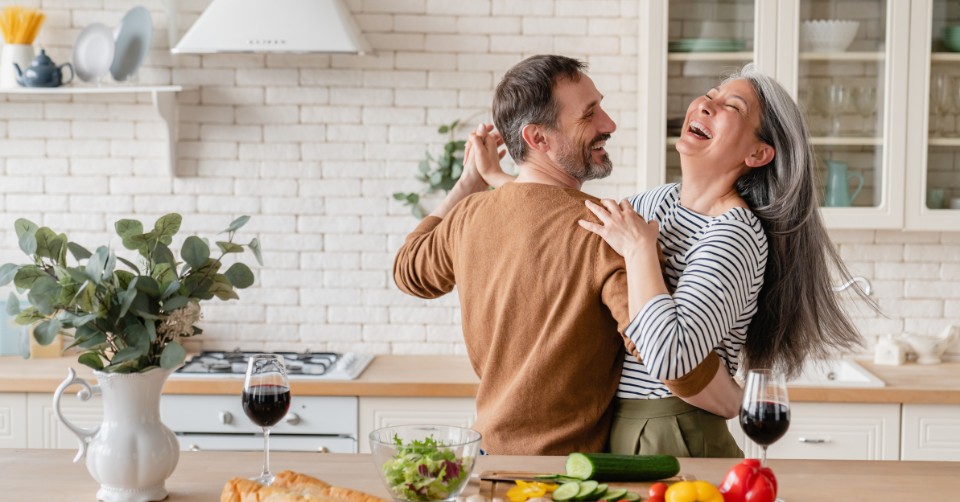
[765, 421]
[266, 404]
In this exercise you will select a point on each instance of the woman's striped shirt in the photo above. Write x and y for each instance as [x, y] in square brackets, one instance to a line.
[715, 269]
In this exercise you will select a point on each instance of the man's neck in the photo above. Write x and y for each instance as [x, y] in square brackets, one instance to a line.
[547, 173]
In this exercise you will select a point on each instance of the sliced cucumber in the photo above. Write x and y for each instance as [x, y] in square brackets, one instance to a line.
[614, 494]
[599, 492]
[630, 497]
[563, 478]
[586, 489]
[566, 491]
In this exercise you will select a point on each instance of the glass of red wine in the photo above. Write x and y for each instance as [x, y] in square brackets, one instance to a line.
[266, 399]
[765, 412]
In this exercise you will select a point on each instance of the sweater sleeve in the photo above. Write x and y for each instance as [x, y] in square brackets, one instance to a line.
[724, 272]
[424, 265]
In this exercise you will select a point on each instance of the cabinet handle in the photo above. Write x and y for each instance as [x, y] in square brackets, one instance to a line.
[194, 447]
[813, 440]
[226, 418]
[323, 449]
[292, 418]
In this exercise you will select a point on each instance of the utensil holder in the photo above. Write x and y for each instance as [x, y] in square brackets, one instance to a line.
[21, 54]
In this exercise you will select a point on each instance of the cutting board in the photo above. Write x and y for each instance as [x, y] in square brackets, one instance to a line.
[494, 484]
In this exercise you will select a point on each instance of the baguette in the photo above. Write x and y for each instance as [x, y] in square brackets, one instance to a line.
[291, 486]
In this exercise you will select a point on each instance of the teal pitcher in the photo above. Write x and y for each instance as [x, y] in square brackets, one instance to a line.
[838, 184]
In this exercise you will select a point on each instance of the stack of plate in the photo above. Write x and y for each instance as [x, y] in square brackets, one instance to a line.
[951, 38]
[706, 45]
[98, 49]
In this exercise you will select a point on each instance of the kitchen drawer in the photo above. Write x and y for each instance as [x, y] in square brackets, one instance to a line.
[931, 432]
[246, 442]
[378, 412]
[13, 420]
[224, 415]
[834, 431]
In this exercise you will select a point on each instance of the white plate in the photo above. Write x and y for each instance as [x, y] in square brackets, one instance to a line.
[93, 52]
[133, 43]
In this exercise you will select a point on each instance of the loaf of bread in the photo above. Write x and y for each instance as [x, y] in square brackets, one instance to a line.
[291, 486]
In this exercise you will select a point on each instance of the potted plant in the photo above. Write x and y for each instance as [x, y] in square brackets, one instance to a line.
[439, 172]
[126, 320]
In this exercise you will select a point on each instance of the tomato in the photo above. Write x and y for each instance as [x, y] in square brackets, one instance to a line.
[658, 490]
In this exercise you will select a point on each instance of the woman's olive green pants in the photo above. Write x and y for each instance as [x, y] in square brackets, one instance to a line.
[670, 426]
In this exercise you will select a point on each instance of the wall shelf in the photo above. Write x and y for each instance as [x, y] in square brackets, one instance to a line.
[164, 101]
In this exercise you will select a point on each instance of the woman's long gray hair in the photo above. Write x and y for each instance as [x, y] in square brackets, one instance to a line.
[799, 315]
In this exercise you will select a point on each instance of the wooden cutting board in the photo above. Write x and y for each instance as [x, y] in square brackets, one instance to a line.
[494, 484]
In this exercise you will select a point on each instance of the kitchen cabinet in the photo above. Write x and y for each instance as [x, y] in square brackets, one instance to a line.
[866, 105]
[377, 412]
[931, 432]
[13, 420]
[833, 431]
[46, 431]
[164, 101]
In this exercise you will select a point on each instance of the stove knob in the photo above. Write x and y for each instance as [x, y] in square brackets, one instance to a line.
[292, 418]
[226, 418]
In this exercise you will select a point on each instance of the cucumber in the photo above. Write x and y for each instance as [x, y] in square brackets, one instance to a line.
[614, 494]
[599, 492]
[586, 489]
[566, 491]
[547, 477]
[611, 467]
[631, 497]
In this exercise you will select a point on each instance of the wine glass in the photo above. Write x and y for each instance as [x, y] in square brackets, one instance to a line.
[940, 101]
[266, 399]
[865, 102]
[834, 100]
[765, 412]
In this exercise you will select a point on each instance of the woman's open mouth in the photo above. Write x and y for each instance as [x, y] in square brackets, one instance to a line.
[699, 130]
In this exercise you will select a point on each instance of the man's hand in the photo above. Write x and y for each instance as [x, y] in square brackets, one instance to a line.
[487, 156]
[470, 181]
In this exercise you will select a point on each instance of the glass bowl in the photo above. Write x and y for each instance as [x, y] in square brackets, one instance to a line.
[420, 463]
[827, 35]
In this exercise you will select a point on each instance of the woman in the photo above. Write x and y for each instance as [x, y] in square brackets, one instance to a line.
[746, 265]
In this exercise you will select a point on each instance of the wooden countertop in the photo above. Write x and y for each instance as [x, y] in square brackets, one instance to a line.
[200, 476]
[452, 376]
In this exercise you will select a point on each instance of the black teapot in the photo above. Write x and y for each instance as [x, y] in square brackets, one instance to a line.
[42, 72]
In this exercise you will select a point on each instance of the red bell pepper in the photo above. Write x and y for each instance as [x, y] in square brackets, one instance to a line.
[749, 482]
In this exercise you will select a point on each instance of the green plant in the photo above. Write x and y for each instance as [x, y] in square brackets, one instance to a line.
[440, 172]
[123, 321]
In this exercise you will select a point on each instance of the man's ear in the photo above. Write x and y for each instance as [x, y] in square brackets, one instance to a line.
[761, 156]
[533, 135]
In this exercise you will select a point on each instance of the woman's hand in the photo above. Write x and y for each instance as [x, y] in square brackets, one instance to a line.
[484, 144]
[622, 228]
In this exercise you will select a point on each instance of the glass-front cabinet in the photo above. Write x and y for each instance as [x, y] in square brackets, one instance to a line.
[854, 67]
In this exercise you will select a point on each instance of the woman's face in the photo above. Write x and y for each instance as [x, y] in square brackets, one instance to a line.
[720, 126]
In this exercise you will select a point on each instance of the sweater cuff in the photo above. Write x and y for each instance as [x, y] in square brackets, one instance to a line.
[694, 382]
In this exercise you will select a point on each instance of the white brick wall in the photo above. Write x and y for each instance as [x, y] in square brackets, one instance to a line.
[313, 146]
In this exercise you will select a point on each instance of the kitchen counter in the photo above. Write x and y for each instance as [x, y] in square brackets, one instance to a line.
[452, 376]
[200, 476]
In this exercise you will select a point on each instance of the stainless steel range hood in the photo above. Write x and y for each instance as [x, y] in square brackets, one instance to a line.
[274, 26]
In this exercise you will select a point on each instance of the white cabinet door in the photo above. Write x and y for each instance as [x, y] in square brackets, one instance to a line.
[931, 432]
[377, 412]
[834, 432]
[45, 429]
[13, 420]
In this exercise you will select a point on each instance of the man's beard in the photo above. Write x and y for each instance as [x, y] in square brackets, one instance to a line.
[577, 161]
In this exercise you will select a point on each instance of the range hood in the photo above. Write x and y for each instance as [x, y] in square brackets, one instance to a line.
[274, 26]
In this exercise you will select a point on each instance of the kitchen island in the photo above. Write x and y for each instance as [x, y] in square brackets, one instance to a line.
[50, 476]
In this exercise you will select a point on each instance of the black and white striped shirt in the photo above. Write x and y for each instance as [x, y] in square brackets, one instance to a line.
[715, 268]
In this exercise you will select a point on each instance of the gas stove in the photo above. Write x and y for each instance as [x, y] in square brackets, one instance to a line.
[300, 365]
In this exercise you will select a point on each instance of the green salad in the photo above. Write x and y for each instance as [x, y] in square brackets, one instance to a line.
[424, 470]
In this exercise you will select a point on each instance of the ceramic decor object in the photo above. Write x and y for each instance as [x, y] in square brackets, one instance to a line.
[132, 43]
[93, 52]
[42, 72]
[838, 185]
[13, 54]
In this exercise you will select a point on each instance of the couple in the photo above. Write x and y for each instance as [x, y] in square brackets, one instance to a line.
[595, 325]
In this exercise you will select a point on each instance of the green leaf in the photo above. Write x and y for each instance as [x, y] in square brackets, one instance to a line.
[77, 320]
[223, 289]
[413, 198]
[136, 335]
[28, 315]
[456, 170]
[126, 354]
[124, 278]
[174, 303]
[27, 275]
[444, 129]
[399, 195]
[167, 226]
[91, 359]
[424, 167]
[46, 331]
[195, 252]
[8, 271]
[97, 264]
[436, 178]
[48, 243]
[172, 356]
[164, 273]
[133, 266]
[13, 304]
[417, 211]
[128, 228]
[127, 297]
[240, 275]
[255, 247]
[79, 252]
[237, 224]
[163, 254]
[24, 226]
[148, 286]
[170, 289]
[229, 247]
[43, 294]
[28, 243]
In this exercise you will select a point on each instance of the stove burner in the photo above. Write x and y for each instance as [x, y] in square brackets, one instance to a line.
[235, 361]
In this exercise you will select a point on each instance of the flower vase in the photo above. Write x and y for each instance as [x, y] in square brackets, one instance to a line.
[131, 453]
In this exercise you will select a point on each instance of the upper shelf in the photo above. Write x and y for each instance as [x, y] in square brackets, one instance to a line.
[164, 101]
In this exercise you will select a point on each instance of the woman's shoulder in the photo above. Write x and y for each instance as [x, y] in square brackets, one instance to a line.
[663, 195]
[740, 223]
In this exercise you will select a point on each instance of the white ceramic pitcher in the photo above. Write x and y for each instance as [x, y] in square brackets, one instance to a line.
[131, 453]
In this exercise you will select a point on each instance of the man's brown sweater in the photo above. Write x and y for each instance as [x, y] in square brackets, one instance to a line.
[544, 303]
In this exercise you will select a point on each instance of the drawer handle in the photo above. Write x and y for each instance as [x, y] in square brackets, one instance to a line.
[292, 418]
[323, 449]
[194, 447]
[813, 440]
[226, 418]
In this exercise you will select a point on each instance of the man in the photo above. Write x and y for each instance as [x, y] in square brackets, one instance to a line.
[544, 302]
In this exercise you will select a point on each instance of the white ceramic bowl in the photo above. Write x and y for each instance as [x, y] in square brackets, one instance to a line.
[827, 35]
[424, 463]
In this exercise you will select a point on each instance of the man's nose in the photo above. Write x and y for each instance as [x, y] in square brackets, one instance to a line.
[607, 125]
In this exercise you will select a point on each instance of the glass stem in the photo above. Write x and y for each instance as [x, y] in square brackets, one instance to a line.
[266, 453]
[763, 456]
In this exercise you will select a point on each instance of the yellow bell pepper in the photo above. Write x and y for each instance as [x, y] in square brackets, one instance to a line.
[693, 491]
[529, 490]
